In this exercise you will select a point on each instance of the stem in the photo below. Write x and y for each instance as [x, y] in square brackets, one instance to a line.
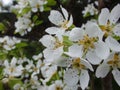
[92, 83]
[107, 82]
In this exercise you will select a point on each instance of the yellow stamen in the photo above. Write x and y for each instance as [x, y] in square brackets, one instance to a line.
[115, 62]
[77, 64]
[87, 42]
[107, 29]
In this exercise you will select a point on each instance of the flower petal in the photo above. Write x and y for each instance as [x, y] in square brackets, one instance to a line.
[102, 50]
[75, 51]
[71, 77]
[115, 14]
[84, 79]
[116, 30]
[116, 74]
[48, 41]
[65, 13]
[102, 70]
[87, 64]
[70, 22]
[13, 62]
[112, 44]
[56, 17]
[51, 55]
[93, 58]
[92, 30]
[54, 30]
[76, 34]
[103, 17]
[63, 61]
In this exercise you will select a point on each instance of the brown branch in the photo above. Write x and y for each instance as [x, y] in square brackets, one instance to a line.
[107, 82]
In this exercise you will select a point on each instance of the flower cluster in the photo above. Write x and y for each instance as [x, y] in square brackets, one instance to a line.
[69, 53]
[77, 49]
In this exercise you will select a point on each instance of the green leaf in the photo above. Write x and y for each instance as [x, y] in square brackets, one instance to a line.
[21, 45]
[25, 10]
[35, 17]
[2, 27]
[51, 2]
[67, 43]
[46, 8]
[38, 22]
[1, 85]
[3, 55]
[13, 81]
[54, 77]
[116, 37]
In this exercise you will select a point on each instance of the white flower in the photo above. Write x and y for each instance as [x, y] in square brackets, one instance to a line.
[23, 25]
[34, 81]
[90, 40]
[37, 57]
[60, 20]
[108, 21]
[47, 72]
[11, 69]
[73, 75]
[54, 47]
[8, 43]
[113, 61]
[21, 4]
[79, 68]
[7, 2]
[58, 85]
[37, 4]
[90, 9]
[18, 87]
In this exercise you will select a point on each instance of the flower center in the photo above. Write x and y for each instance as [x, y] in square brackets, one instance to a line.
[12, 69]
[64, 24]
[107, 29]
[88, 42]
[77, 64]
[58, 43]
[58, 88]
[115, 62]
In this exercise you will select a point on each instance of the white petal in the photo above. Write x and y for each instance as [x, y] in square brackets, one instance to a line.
[76, 34]
[63, 61]
[84, 79]
[70, 22]
[56, 17]
[65, 13]
[54, 30]
[71, 77]
[93, 58]
[87, 64]
[115, 14]
[75, 51]
[34, 9]
[102, 50]
[13, 62]
[103, 17]
[102, 70]
[111, 56]
[6, 64]
[116, 74]
[116, 30]
[51, 55]
[48, 41]
[93, 30]
[71, 87]
[112, 44]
